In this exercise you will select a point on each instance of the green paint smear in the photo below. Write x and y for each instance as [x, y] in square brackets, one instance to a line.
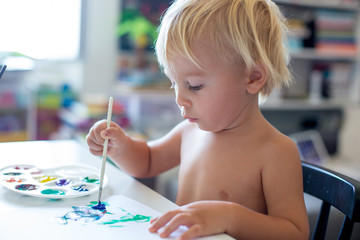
[129, 218]
[93, 203]
[52, 192]
[90, 180]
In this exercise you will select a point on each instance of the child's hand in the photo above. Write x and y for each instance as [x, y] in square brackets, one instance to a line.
[202, 218]
[99, 132]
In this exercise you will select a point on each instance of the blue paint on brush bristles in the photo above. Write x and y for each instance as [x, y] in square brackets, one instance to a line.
[2, 70]
[100, 206]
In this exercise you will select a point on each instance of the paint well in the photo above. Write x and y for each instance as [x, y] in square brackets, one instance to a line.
[52, 192]
[91, 180]
[26, 187]
[14, 180]
[80, 188]
[12, 173]
[63, 182]
[45, 179]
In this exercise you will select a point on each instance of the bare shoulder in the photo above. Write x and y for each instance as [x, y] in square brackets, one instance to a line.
[174, 137]
[165, 151]
[185, 126]
[282, 165]
[282, 181]
[182, 128]
[281, 150]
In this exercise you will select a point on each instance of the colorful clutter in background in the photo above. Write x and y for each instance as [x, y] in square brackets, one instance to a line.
[9, 98]
[13, 115]
[50, 97]
[49, 101]
[136, 31]
[80, 117]
[47, 121]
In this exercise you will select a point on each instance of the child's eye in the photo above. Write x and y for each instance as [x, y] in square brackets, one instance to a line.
[195, 88]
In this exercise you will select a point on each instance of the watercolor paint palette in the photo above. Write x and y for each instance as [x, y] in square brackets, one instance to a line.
[60, 182]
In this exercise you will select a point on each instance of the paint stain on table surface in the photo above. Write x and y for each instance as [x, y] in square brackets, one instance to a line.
[92, 214]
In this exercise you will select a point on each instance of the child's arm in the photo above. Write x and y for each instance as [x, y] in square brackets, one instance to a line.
[137, 157]
[286, 216]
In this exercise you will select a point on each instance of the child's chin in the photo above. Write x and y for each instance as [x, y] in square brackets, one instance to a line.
[208, 128]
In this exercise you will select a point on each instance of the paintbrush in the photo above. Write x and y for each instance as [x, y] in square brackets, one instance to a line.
[100, 205]
[2, 70]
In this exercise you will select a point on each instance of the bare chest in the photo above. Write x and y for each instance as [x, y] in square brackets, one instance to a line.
[211, 170]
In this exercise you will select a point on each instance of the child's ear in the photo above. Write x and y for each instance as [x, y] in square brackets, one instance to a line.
[257, 79]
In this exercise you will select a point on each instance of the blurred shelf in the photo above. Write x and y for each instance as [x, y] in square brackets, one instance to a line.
[324, 35]
[313, 54]
[160, 89]
[337, 5]
[12, 109]
[13, 136]
[301, 104]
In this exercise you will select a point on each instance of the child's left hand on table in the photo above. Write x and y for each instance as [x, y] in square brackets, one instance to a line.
[201, 218]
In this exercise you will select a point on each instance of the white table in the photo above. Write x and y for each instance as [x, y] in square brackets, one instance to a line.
[48, 154]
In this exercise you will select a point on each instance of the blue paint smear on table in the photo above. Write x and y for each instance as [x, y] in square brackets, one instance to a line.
[97, 210]
[85, 214]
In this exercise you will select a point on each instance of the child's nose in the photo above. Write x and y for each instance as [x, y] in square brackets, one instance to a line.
[181, 99]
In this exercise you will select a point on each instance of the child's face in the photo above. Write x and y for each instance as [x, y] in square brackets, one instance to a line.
[213, 98]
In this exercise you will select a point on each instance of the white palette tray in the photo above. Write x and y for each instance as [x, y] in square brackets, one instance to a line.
[60, 182]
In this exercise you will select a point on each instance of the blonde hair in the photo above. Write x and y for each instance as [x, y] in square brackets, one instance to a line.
[245, 32]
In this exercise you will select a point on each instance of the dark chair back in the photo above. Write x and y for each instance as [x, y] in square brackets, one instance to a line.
[335, 190]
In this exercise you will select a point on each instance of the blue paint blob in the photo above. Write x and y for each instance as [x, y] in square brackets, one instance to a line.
[26, 187]
[81, 188]
[12, 173]
[100, 206]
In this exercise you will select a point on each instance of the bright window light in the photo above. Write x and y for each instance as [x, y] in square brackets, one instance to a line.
[41, 29]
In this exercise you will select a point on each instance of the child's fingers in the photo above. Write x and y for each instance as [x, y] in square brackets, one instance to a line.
[94, 146]
[114, 132]
[153, 220]
[161, 221]
[110, 133]
[96, 152]
[94, 132]
[180, 219]
[193, 232]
